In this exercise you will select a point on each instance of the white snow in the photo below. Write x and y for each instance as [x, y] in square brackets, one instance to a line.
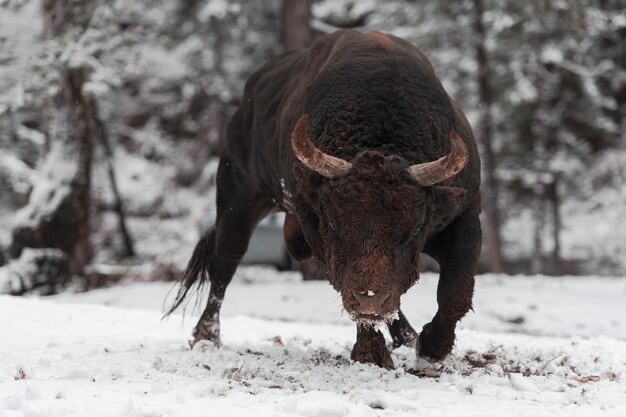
[23, 272]
[535, 346]
[53, 184]
[20, 33]
[17, 172]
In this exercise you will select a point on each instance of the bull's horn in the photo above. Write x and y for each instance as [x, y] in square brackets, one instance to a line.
[444, 168]
[316, 160]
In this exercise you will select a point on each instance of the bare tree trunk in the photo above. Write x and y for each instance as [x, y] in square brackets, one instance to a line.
[485, 134]
[536, 263]
[296, 26]
[543, 129]
[538, 129]
[118, 204]
[187, 12]
[552, 193]
[54, 17]
[57, 215]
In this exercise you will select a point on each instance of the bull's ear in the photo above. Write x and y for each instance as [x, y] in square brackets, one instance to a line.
[448, 197]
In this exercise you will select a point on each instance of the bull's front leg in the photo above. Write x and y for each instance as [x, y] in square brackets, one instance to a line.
[402, 333]
[456, 249]
[370, 347]
[297, 245]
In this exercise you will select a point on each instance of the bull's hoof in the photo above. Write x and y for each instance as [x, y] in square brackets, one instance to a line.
[206, 332]
[435, 344]
[370, 347]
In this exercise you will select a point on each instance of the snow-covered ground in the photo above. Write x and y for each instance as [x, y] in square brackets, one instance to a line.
[535, 346]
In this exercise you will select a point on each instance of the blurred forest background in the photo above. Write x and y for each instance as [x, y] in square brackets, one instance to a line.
[112, 115]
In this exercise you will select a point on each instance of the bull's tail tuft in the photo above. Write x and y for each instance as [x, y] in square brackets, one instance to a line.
[197, 272]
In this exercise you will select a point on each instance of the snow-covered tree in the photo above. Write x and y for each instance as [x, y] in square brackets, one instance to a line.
[162, 78]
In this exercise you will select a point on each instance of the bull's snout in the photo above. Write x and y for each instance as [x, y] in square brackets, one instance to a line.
[370, 303]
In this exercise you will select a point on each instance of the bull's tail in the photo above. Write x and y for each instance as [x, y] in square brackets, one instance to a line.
[197, 272]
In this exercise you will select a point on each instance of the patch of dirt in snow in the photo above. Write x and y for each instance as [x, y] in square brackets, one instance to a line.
[102, 361]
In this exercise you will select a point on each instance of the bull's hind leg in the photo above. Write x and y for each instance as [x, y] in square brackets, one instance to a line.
[456, 249]
[370, 347]
[239, 209]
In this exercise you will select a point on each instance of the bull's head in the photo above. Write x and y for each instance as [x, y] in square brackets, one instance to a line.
[373, 217]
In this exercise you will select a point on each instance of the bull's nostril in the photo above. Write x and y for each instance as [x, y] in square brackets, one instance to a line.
[370, 302]
[385, 298]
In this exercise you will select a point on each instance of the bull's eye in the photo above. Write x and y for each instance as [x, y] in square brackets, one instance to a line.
[333, 230]
[414, 235]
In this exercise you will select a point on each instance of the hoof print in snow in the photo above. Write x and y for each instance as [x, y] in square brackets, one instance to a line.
[20, 374]
[425, 372]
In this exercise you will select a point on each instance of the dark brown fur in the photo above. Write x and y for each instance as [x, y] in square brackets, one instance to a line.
[373, 100]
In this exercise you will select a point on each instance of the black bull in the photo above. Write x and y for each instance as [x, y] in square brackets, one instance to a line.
[355, 138]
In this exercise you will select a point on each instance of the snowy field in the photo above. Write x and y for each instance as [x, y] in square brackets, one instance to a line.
[535, 346]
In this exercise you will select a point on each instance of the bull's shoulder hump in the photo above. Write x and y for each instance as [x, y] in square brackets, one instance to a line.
[379, 45]
[381, 39]
[277, 66]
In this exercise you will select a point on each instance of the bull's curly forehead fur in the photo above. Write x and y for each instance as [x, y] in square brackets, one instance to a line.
[377, 195]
